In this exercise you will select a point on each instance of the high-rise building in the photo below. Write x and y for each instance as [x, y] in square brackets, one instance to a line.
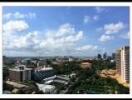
[20, 73]
[118, 61]
[122, 63]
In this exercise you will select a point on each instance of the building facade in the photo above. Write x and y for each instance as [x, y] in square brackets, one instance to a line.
[122, 63]
[118, 61]
[20, 73]
[43, 72]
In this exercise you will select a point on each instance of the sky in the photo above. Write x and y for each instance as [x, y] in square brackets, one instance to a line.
[64, 31]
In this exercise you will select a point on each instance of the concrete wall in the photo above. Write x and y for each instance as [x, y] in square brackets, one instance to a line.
[14, 75]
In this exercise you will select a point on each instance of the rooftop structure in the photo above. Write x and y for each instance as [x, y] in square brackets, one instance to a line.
[20, 68]
[43, 72]
[44, 68]
[57, 79]
[46, 88]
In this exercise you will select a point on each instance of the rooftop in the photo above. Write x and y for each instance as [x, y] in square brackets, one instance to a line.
[46, 88]
[15, 84]
[86, 63]
[43, 68]
[20, 68]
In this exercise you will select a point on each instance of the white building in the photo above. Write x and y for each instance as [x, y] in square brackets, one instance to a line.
[57, 79]
[125, 64]
[46, 88]
[122, 63]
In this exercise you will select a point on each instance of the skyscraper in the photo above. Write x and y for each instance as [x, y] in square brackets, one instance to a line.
[122, 63]
[118, 61]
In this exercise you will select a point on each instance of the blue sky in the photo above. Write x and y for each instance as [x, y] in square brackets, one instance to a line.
[59, 31]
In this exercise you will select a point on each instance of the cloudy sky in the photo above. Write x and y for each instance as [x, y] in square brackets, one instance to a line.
[59, 31]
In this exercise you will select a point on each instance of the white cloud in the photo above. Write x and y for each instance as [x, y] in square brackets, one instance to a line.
[99, 9]
[28, 41]
[61, 40]
[10, 29]
[86, 19]
[31, 15]
[95, 17]
[110, 30]
[113, 27]
[87, 47]
[74, 38]
[18, 15]
[7, 16]
[15, 25]
[99, 29]
[64, 37]
[90, 18]
[12, 33]
[125, 36]
[105, 38]
[65, 29]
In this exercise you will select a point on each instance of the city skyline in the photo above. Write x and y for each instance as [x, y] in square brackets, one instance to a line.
[61, 31]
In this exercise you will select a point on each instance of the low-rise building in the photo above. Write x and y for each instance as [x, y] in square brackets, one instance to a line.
[86, 64]
[46, 88]
[57, 79]
[43, 72]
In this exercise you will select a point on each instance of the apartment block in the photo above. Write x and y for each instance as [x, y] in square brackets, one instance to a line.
[19, 73]
[122, 63]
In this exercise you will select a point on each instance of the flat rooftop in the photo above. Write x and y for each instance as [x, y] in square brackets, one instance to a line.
[43, 68]
[17, 69]
[15, 84]
[20, 68]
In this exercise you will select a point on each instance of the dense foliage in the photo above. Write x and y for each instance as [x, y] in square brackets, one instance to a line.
[67, 67]
[90, 83]
[97, 85]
